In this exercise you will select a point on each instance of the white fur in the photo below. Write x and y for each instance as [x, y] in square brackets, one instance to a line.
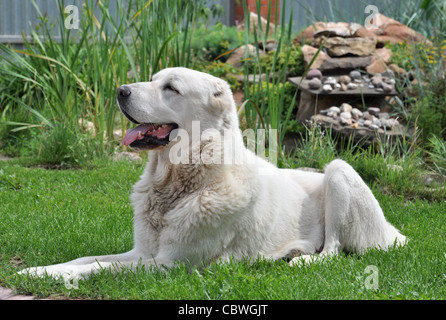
[198, 213]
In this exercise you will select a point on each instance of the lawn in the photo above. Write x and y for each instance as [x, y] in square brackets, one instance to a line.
[63, 196]
[52, 216]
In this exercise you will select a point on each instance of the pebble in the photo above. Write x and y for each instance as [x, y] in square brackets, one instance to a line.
[390, 123]
[345, 115]
[352, 86]
[344, 79]
[387, 87]
[345, 122]
[383, 115]
[345, 107]
[344, 87]
[356, 112]
[373, 118]
[377, 123]
[315, 84]
[327, 88]
[388, 73]
[334, 109]
[355, 74]
[314, 73]
[377, 81]
[331, 81]
[374, 111]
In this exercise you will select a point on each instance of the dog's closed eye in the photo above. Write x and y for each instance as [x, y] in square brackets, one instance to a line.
[169, 87]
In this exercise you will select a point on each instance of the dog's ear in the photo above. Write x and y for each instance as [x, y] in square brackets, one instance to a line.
[219, 88]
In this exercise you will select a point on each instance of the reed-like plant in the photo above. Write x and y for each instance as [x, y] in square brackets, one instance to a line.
[264, 99]
[63, 76]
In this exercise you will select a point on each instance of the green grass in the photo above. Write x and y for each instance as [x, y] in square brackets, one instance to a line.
[52, 216]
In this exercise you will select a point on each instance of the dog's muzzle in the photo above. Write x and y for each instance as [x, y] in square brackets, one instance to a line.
[124, 93]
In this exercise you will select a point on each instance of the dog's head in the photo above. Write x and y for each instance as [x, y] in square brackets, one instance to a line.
[173, 100]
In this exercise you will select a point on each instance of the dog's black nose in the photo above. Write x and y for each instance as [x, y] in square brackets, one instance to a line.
[124, 91]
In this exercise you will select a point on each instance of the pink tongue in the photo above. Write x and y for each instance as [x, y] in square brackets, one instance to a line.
[139, 132]
[136, 134]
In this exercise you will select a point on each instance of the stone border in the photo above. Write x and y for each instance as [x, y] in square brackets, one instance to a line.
[8, 294]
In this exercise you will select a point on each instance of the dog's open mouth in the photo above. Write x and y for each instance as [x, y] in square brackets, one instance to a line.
[149, 136]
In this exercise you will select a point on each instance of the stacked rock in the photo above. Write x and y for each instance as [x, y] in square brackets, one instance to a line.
[373, 118]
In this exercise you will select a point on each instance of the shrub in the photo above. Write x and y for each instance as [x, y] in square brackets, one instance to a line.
[211, 43]
[293, 63]
[222, 70]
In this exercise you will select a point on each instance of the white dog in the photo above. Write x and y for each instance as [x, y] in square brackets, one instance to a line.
[190, 207]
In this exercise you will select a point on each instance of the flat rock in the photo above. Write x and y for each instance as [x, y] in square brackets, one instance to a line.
[338, 46]
[240, 53]
[345, 63]
[380, 59]
[309, 52]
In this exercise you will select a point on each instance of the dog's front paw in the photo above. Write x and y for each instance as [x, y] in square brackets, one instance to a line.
[34, 272]
[56, 272]
[302, 260]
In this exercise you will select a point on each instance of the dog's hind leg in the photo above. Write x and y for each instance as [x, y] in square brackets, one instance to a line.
[354, 220]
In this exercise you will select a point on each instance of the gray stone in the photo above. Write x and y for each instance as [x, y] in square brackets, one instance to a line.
[352, 86]
[345, 121]
[314, 73]
[345, 107]
[356, 113]
[374, 111]
[331, 81]
[345, 115]
[335, 109]
[355, 75]
[327, 88]
[388, 73]
[390, 123]
[377, 123]
[344, 79]
[377, 81]
[315, 84]
[387, 87]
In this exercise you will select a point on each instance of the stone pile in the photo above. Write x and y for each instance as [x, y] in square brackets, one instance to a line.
[383, 30]
[383, 82]
[350, 46]
[372, 118]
